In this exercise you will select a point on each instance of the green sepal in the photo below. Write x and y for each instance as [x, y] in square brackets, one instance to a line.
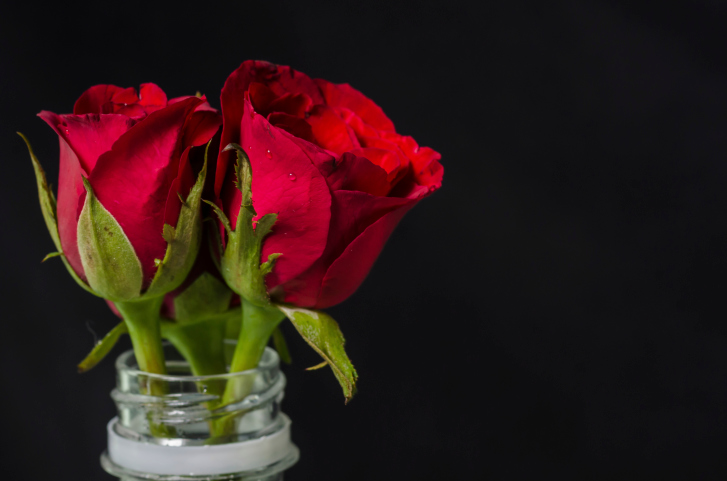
[243, 174]
[281, 346]
[322, 333]
[112, 268]
[205, 297]
[220, 215]
[48, 208]
[264, 226]
[267, 266]
[103, 347]
[168, 232]
[215, 246]
[183, 241]
[241, 263]
[45, 195]
[317, 366]
[51, 255]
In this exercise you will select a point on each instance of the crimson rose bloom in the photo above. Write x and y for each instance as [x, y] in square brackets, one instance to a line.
[134, 151]
[329, 162]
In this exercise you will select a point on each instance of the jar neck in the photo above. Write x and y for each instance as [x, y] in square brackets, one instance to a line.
[185, 428]
[190, 411]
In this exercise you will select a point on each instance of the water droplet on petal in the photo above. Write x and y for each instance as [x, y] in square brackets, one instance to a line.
[67, 132]
[292, 177]
[269, 154]
[432, 188]
[252, 114]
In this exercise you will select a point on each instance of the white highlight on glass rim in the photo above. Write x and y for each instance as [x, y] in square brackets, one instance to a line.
[214, 459]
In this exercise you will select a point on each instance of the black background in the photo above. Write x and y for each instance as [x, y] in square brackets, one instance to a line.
[557, 308]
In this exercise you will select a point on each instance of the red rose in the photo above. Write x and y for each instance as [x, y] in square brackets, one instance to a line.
[329, 162]
[134, 151]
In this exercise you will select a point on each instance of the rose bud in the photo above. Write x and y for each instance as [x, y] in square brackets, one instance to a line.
[329, 179]
[127, 222]
[124, 173]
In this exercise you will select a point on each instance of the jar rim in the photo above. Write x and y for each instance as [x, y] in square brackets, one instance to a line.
[126, 362]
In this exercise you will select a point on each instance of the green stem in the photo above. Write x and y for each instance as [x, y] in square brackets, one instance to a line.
[142, 320]
[201, 344]
[258, 324]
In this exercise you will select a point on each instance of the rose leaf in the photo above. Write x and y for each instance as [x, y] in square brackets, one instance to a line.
[322, 333]
[103, 347]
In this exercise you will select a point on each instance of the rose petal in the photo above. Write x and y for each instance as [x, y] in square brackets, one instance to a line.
[385, 145]
[71, 195]
[347, 272]
[351, 215]
[151, 97]
[361, 128]
[330, 131]
[394, 165]
[203, 106]
[93, 100]
[349, 172]
[425, 161]
[135, 111]
[125, 96]
[181, 186]
[283, 79]
[89, 135]
[409, 188]
[280, 80]
[381, 143]
[358, 173]
[261, 97]
[293, 104]
[201, 126]
[323, 159]
[343, 95]
[293, 125]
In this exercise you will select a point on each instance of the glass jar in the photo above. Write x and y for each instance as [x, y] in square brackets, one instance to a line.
[187, 433]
